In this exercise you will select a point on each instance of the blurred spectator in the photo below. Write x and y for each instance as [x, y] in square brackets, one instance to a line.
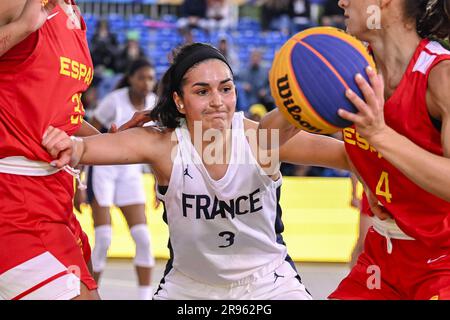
[300, 13]
[188, 37]
[89, 100]
[193, 15]
[225, 46]
[275, 15]
[103, 46]
[315, 171]
[220, 15]
[333, 15]
[256, 112]
[328, 172]
[302, 170]
[255, 82]
[289, 169]
[122, 186]
[130, 53]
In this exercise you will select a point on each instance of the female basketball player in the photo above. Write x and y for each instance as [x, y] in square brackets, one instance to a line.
[409, 125]
[407, 122]
[122, 185]
[45, 66]
[220, 194]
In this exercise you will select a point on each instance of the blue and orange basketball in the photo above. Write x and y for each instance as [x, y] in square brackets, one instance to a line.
[310, 74]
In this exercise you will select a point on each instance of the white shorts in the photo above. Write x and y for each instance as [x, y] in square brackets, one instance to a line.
[283, 283]
[41, 278]
[120, 185]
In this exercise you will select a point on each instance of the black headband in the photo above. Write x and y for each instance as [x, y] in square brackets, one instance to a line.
[203, 53]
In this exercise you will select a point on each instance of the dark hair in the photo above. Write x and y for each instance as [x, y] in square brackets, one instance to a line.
[184, 58]
[134, 67]
[432, 17]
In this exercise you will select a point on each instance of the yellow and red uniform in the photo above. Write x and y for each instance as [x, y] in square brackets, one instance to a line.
[412, 270]
[41, 83]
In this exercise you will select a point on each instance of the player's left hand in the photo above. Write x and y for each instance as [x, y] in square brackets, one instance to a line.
[369, 121]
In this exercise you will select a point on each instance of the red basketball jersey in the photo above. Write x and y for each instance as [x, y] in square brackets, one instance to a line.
[417, 212]
[41, 82]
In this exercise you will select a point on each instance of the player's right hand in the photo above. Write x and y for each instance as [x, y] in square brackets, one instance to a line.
[34, 14]
[59, 145]
[138, 120]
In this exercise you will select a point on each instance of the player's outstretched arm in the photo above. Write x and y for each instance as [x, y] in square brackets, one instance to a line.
[20, 18]
[274, 120]
[316, 150]
[429, 171]
[137, 145]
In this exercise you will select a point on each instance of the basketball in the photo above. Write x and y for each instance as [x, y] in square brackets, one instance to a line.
[310, 74]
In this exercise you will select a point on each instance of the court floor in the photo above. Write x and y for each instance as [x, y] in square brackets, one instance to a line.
[118, 281]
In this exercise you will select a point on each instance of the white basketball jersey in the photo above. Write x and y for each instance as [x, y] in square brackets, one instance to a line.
[222, 231]
[117, 108]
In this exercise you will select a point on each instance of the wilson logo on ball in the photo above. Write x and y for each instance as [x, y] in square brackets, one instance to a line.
[310, 74]
[293, 109]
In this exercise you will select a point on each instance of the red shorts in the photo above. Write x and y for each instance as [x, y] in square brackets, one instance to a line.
[43, 251]
[412, 271]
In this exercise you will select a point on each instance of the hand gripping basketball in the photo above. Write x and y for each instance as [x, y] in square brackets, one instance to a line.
[310, 75]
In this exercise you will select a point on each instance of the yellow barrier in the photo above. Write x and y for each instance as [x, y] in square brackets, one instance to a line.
[319, 223]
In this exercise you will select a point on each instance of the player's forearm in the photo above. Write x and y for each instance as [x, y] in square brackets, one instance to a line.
[327, 152]
[429, 171]
[11, 34]
[316, 150]
[113, 148]
[274, 120]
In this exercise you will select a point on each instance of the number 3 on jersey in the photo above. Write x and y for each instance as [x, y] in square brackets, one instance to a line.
[78, 110]
[383, 187]
[229, 238]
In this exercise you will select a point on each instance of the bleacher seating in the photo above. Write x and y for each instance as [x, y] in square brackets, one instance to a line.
[157, 41]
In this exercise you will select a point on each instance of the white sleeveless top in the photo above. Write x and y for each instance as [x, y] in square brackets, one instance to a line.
[117, 108]
[222, 231]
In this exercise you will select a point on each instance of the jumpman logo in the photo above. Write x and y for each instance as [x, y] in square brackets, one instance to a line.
[186, 172]
[276, 276]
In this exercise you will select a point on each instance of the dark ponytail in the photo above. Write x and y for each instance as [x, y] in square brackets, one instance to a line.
[432, 17]
[166, 111]
[134, 67]
[184, 58]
